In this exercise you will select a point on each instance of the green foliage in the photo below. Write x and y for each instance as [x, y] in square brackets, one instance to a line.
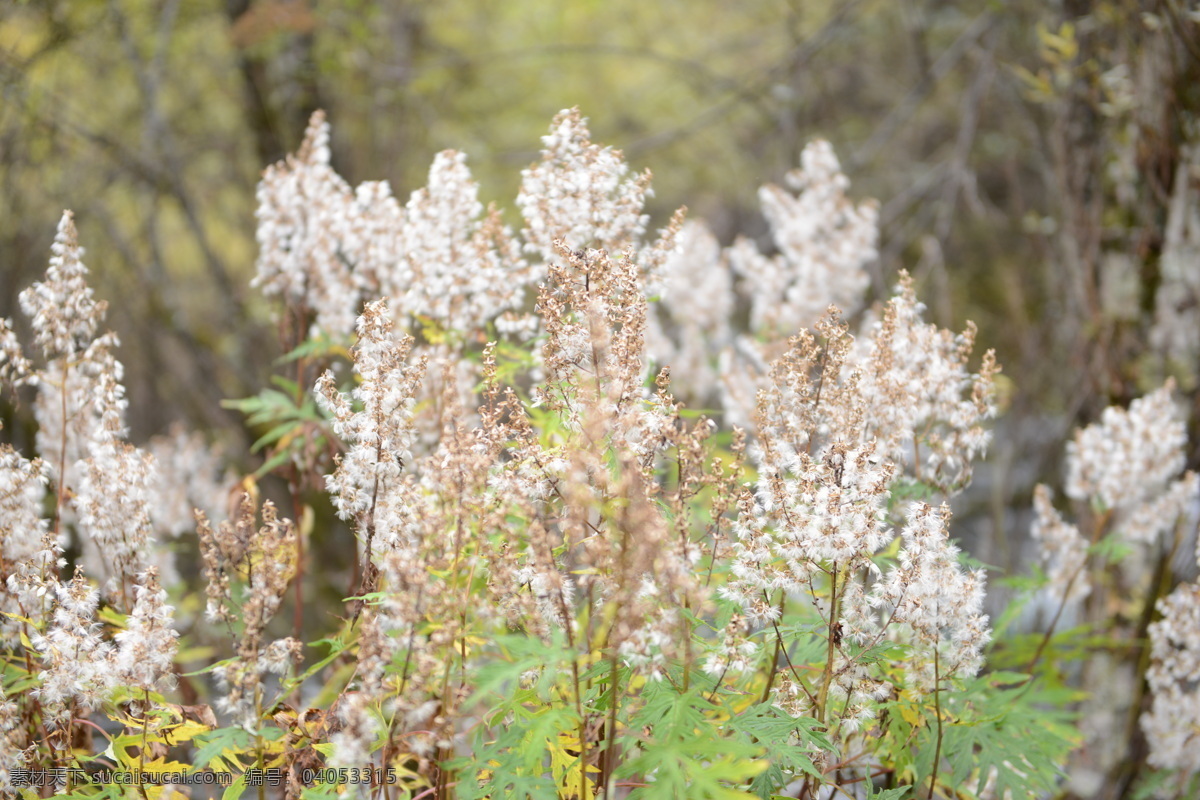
[1112, 549]
[685, 751]
[790, 743]
[293, 424]
[1003, 722]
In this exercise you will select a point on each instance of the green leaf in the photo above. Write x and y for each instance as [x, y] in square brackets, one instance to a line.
[220, 744]
[235, 789]
[686, 753]
[209, 668]
[275, 461]
[1112, 548]
[320, 792]
[789, 744]
[335, 650]
[289, 386]
[315, 346]
[880, 653]
[1015, 731]
[273, 435]
[906, 488]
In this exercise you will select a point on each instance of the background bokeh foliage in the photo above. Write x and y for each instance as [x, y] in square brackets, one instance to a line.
[1024, 155]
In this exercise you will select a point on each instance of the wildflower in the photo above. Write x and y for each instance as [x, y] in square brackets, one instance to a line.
[11, 741]
[114, 516]
[264, 557]
[379, 438]
[14, 367]
[1128, 464]
[76, 669]
[102, 484]
[914, 379]
[187, 476]
[696, 305]
[1063, 549]
[31, 586]
[22, 529]
[454, 264]
[80, 398]
[735, 654]
[580, 194]
[825, 243]
[303, 206]
[1170, 724]
[281, 655]
[145, 649]
[352, 742]
[936, 599]
[61, 308]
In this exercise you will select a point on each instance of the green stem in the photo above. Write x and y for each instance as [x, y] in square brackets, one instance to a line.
[610, 753]
[937, 708]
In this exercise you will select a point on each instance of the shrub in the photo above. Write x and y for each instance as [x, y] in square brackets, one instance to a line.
[569, 583]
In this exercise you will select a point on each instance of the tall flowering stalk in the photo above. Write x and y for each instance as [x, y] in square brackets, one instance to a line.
[104, 490]
[248, 568]
[1134, 505]
[820, 517]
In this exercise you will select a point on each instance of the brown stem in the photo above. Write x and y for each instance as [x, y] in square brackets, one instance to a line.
[823, 695]
[775, 657]
[1096, 533]
[787, 658]
[937, 709]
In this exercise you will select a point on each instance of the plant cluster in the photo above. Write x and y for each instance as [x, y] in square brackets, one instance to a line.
[568, 582]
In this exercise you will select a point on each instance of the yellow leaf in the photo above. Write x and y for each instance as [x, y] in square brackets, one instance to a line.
[183, 732]
[162, 790]
[566, 769]
[18, 617]
[910, 711]
[161, 765]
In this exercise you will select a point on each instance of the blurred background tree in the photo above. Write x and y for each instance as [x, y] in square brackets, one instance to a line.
[1031, 161]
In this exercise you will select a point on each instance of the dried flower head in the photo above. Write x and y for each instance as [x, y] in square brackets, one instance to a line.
[145, 649]
[260, 560]
[61, 309]
[936, 599]
[22, 530]
[825, 244]
[1170, 724]
[76, 666]
[580, 194]
[455, 265]
[1063, 549]
[695, 306]
[101, 483]
[379, 438]
[926, 408]
[188, 475]
[1128, 464]
[303, 210]
[11, 742]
